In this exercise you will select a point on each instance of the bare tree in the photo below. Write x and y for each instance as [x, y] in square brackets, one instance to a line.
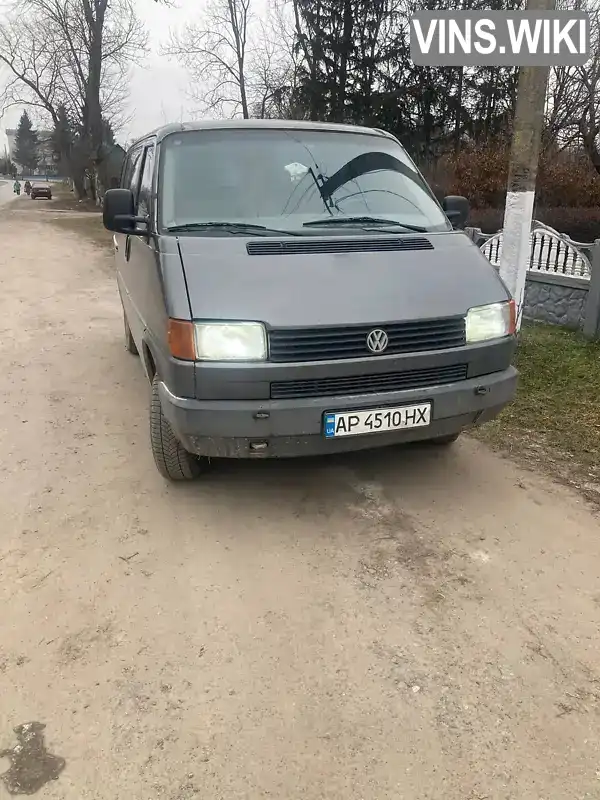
[33, 64]
[563, 109]
[586, 93]
[573, 101]
[273, 72]
[215, 51]
[68, 59]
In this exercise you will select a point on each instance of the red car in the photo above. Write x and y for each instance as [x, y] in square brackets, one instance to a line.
[41, 190]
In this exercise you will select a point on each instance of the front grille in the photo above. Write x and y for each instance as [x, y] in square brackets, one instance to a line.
[369, 384]
[337, 244]
[322, 344]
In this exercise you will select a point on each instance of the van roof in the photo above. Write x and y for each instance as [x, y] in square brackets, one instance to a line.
[178, 127]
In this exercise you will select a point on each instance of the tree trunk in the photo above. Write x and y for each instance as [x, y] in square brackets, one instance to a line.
[458, 115]
[308, 49]
[238, 18]
[346, 48]
[79, 187]
[243, 96]
[94, 12]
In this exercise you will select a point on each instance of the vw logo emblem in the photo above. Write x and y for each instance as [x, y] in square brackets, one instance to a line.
[377, 341]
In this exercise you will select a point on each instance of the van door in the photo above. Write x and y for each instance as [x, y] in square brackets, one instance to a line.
[130, 179]
[143, 265]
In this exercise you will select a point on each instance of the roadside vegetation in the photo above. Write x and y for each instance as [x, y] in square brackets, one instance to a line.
[86, 225]
[555, 421]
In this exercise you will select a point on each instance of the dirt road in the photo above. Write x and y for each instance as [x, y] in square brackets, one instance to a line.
[409, 624]
[6, 192]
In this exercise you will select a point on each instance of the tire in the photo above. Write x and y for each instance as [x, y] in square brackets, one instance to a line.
[130, 344]
[444, 441]
[171, 459]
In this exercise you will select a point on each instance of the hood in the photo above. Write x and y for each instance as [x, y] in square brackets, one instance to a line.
[337, 288]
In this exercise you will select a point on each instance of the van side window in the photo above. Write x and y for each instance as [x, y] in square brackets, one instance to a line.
[130, 170]
[124, 170]
[145, 196]
[134, 183]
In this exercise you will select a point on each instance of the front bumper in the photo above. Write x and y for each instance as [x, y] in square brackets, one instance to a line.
[290, 428]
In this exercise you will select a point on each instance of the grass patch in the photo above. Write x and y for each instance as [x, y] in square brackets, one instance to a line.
[86, 225]
[63, 199]
[555, 420]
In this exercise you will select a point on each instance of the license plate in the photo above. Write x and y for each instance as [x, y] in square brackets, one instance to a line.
[377, 420]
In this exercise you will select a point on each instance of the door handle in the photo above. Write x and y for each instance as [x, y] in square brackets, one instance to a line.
[115, 243]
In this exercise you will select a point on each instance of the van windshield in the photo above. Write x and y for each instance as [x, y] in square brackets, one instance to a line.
[292, 180]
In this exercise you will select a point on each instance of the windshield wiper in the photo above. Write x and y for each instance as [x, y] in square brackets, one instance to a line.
[363, 221]
[232, 227]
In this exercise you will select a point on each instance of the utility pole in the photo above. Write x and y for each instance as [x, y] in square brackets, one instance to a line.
[528, 126]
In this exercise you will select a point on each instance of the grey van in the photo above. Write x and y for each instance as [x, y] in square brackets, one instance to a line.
[295, 288]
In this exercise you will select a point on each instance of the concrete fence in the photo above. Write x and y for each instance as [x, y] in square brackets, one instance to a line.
[552, 295]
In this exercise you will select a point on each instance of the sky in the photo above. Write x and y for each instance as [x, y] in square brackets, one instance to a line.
[158, 85]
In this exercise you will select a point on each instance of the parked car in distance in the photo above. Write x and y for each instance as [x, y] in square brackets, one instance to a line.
[41, 190]
[295, 288]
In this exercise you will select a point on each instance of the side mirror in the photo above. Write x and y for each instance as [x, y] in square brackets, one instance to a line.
[456, 209]
[118, 213]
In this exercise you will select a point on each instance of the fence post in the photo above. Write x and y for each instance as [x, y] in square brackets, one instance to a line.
[591, 320]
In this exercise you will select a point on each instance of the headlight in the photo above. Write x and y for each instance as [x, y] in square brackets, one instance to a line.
[490, 322]
[230, 341]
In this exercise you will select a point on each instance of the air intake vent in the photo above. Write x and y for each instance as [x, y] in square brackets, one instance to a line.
[369, 384]
[335, 244]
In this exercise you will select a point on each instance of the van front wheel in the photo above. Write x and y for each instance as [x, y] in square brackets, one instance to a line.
[171, 459]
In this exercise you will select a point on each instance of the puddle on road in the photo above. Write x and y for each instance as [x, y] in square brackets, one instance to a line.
[31, 765]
